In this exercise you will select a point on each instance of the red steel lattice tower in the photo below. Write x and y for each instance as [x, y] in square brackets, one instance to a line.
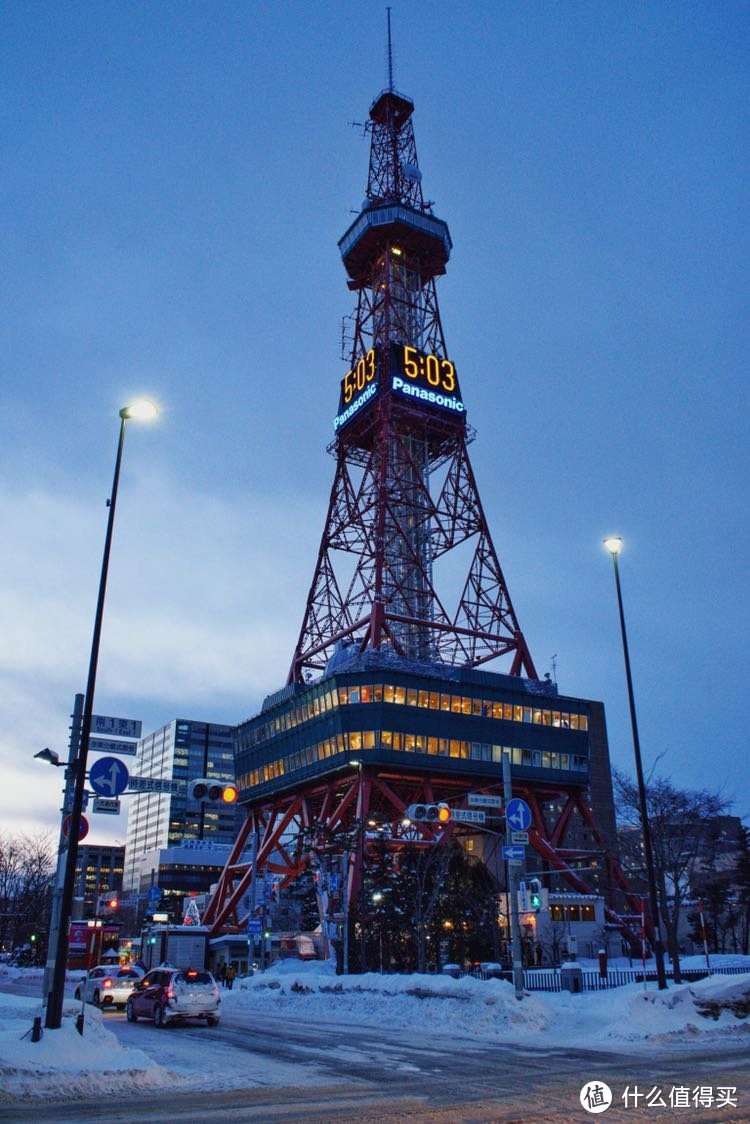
[404, 497]
[407, 578]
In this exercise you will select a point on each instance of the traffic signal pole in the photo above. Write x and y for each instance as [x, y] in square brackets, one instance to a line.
[515, 927]
[62, 852]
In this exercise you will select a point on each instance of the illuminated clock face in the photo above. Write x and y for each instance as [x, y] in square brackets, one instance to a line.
[358, 387]
[426, 378]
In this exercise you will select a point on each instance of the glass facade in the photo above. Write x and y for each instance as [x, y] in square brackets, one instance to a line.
[181, 751]
[98, 869]
[394, 717]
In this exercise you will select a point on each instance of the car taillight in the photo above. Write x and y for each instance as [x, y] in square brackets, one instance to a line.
[106, 983]
[170, 992]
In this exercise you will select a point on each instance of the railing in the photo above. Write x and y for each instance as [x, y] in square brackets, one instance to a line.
[549, 979]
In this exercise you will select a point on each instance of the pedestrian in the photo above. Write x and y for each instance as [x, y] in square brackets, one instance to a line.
[223, 974]
[230, 974]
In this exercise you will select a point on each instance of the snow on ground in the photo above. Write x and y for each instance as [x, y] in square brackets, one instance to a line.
[65, 1063]
[489, 1008]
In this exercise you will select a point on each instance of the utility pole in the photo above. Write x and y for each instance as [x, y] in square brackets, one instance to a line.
[515, 928]
[62, 851]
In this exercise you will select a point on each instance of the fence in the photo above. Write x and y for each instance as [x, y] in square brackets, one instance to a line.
[548, 979]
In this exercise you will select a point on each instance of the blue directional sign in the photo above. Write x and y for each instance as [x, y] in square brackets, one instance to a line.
[154, 894]
[254, 926]
[513, 852]
[518, 814]
[108, 776]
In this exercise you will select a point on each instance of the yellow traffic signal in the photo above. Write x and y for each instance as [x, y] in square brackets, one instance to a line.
[429, 813]
[210, 791]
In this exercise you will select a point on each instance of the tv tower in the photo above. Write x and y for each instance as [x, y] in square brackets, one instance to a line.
[387, 701]
[404, 501]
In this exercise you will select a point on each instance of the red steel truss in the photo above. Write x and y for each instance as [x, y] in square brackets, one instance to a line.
[406, 561]
[404, 497]
[289, 825]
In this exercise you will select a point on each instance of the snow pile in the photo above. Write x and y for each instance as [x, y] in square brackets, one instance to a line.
[489, 1008]
[63, 1061]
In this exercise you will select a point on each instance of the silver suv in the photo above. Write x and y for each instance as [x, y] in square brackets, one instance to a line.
[170, 994]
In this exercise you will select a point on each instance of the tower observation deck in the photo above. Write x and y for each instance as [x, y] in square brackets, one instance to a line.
[388, 699]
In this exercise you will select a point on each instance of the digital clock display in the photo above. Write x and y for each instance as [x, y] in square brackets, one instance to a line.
[358, 387]
[426, 377]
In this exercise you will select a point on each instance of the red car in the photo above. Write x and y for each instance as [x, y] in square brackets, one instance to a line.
[171, 994]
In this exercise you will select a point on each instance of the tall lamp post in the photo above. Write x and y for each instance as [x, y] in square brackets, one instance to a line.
[613, 543]
[56, 969]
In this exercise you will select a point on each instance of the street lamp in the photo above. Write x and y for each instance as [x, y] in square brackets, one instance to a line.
[140, 410]
[613, 543]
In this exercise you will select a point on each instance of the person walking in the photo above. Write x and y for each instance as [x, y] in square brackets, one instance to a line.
[231, 973]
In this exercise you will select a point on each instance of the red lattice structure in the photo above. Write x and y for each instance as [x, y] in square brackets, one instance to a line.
[407, 569]
[404, 500]
[323, 808]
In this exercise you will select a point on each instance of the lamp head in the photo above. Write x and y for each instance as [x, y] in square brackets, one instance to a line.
[613, 544]
[141, 409]
[49, 755]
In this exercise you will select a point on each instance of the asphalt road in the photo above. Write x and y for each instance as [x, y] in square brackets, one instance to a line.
[346, 1072]
[342, 1072]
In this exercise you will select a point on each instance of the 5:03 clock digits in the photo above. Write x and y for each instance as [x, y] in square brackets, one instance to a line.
[358, 378]
[432, 370]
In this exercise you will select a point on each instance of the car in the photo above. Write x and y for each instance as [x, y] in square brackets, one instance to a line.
[109, 985]
[172, 994]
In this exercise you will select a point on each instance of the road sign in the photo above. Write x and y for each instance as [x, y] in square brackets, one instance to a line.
[119, 727]
[108, 776]
[483, 800]
[514, 852]
[154, 894]
[467, 815]
[518, 814]
[109, 745]
[155, 784]
[519, 837]
[515, 862]
[254, 926]
[110, 805]
[83, 827]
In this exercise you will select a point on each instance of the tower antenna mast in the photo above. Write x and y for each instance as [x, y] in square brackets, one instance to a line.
[390, 52]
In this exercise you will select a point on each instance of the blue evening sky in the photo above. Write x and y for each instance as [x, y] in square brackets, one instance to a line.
[175, 177]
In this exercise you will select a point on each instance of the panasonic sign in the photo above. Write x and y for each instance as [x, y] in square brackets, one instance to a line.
[447, 402]
[356, 406]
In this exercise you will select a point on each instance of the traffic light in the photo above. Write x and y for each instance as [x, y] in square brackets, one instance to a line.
[429, 813]
[535, 894]
[112, 903]
[212, 791]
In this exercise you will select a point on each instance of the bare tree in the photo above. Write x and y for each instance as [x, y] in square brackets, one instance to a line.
[27, 870]
[680, 822]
